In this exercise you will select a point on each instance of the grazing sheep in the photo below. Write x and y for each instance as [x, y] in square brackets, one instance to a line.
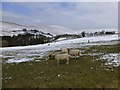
[75, 52]
[51, 54]
[60, 57]
[65, 50]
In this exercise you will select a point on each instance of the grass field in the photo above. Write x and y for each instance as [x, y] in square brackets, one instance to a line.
[85, 72]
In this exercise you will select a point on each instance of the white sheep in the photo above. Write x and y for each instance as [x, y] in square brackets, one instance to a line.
[51, 54]
[75, 52]
[65, 50]
[64, 56]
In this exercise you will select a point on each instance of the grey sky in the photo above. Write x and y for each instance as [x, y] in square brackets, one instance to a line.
[74, 15]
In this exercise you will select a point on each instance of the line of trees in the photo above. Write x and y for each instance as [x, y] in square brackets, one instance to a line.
[23, 40]
[68, 36]
[103, 32]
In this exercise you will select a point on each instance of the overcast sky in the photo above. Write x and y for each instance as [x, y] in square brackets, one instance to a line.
[74, 15]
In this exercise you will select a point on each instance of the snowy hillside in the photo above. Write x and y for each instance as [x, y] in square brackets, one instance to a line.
[54, 29]
[61, 30]
[9, 28]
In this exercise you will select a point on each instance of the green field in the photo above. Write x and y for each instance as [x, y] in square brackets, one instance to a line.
[85, 72]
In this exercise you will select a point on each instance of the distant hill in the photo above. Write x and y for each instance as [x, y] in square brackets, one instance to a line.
[10, 28]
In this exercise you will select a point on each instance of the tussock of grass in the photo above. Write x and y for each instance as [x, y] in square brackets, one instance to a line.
[85, 72]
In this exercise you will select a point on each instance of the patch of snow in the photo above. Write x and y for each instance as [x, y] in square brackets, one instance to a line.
[93, 54]
[61, 39]
[16, 60]
[112, 58]
[8, 56]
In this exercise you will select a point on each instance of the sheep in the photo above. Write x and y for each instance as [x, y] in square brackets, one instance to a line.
[51, 54]
[65, 50]
[75, 52]
[64, 56]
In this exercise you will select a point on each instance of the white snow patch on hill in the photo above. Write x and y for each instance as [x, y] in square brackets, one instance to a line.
[61, 39]
[112, 58]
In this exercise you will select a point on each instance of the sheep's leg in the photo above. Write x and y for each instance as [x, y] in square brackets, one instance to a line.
[67, 62]
[75, 57]
[58, 62]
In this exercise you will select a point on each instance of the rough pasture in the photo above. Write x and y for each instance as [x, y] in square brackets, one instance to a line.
[89, 71]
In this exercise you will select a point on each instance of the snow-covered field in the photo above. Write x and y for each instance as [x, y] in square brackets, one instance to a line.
[35, 52]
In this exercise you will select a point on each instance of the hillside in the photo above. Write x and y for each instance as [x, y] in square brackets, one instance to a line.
[10, 28]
